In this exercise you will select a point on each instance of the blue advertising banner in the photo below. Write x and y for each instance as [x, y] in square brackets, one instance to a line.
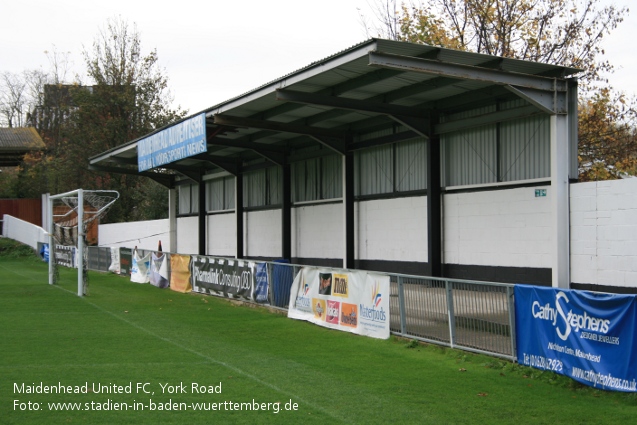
[261, 283]
[587, 336]
[187, 138]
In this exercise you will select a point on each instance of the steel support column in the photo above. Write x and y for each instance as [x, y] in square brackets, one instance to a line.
[349, 243]
[286, 211]
[434, 205]
[203, 233]
[238, 211]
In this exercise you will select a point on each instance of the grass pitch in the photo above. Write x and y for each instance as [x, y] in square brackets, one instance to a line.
[138, 354]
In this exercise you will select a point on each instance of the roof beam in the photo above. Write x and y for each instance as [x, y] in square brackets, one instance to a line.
[222, 162]
[465, 72]
[347, 104]
[191, 172]
[275, 126]
[166, 180]
[486, 119]
[245, 144]
[383, 140]
[551, 103]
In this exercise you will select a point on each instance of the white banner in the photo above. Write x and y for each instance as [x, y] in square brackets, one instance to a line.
[351, 301]
[159, 270]
[140, 272]
[114, 267]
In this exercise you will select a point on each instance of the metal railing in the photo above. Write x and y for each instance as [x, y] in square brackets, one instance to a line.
[470, 315]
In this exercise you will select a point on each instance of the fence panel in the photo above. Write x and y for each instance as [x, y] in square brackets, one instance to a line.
[481, 316]
[99, 258]
[474, 316]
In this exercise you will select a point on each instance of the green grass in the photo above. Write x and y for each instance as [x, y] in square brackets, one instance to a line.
[129, 333]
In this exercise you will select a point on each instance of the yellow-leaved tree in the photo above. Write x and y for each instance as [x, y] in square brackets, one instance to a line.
[561, 32]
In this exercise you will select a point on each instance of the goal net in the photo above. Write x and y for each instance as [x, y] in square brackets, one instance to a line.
[73, 223]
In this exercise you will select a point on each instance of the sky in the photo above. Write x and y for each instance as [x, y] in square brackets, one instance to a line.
[213, 50]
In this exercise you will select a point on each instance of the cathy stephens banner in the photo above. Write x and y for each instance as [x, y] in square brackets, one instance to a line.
[352, 301]
[230, 278]
[587, 336]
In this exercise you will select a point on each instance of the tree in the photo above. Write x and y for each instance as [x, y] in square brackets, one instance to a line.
[607, 137]
[130, 98]
[127, 97]
[12, 99]
[561, 32]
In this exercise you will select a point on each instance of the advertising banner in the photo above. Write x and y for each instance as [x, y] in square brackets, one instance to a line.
[261, 287]
[229, 278]
[140, 272]
[351, 301]
[159, 270]
[65, 255]
[114, 267]
[125, 261]
[180, 273]
[590, 337]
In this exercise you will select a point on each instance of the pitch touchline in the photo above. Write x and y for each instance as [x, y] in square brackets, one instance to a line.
[210, 359]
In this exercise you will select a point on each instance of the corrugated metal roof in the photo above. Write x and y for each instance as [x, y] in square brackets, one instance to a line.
[20, 139]
[347, 75]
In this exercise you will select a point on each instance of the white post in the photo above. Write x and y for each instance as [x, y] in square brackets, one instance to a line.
[172, 219]
[344, 217]
[80, 243]
[51, 241]
[560, 167]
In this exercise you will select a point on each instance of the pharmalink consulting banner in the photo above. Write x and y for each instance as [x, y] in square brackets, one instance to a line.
[352, 301]
[229, 278]
[587, 336]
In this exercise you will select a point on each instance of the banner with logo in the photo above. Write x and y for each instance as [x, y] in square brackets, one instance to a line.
[590, 337]
[225, 277]
[351, 301]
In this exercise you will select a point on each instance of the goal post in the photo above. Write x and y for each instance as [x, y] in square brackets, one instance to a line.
[69, 216]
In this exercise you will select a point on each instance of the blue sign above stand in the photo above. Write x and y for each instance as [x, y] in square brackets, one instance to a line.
[182, 140]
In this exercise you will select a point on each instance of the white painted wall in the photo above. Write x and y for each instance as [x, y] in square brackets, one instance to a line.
[262, 233]
[143, 234]
[508, 227]
[318, 231]
[187, 235]
[392, 229]
[23, 231]
[222, 231]
[604, 233]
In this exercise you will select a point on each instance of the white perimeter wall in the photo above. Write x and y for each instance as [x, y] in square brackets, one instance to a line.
[23, 231]
[143, 234]
[604, 233]
[508, 227]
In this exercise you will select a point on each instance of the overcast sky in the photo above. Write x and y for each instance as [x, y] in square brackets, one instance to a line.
[215, 50]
